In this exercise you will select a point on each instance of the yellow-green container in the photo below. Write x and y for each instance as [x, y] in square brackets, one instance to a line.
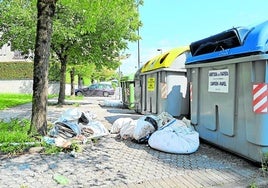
[161, 84]
[127, 84]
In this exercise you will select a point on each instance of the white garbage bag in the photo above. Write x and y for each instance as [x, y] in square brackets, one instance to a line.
[127, 130]
[90, 115]
[143, 128]
[112, 103]
[175, 138]
[70, 115]
[164, 118]
[119, 123]
[98, 129]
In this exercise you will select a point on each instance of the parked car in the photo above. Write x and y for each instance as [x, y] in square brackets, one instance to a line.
[98, 89]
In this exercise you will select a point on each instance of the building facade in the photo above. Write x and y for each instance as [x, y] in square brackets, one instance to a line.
[7, 55]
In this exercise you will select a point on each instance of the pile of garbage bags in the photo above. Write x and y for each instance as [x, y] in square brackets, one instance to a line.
[112, 103]
[162, 132]
[75, 125]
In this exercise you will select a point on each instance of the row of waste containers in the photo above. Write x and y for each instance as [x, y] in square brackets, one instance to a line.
[220, 83]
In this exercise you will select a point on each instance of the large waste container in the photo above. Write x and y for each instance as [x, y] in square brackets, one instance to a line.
[137, 92]
[163, 84]
[228, 75]
[140, 90]
[127, 84]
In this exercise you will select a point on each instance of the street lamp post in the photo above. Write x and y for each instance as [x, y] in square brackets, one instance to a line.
[138, 48]
[138, 36]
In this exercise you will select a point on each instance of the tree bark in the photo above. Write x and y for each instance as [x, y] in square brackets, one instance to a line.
[72, 80]
[61, 98]
[45, 13]
[80, 81]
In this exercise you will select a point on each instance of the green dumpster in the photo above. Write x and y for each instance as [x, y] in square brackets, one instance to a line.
[128, 98]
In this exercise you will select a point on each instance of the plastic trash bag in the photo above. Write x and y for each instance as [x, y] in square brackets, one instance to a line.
[90, 116]
[74, 122]
[164, 118]
[177, 138]
[98, 129]
[119, 123]
[83, 119]
[70, 115]
[67, 129]
[127, 130]
[112, 103]
[144, 128]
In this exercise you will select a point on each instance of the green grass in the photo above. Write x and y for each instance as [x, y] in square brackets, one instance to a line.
[14, 131]
[74, 97]
[14, 139]
[8, 100]
[13, 136]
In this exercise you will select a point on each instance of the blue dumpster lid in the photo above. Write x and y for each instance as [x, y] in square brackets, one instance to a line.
[235, 42]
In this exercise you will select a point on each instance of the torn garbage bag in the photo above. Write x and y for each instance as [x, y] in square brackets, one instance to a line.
[98, 129]
[73, 123]
[175, 137]
[67, 129]
[125, 127]
[70, 115]
[119, 124]
[146, 125]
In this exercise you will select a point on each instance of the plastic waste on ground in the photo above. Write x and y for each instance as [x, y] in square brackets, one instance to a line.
[127, 131]
[112, 103]
[146, 125]
[77, 125]
[162, 132]
[119, 123]
[177, 137]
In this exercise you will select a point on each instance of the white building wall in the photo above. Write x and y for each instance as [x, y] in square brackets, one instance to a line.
[26, 86]
[6, 55]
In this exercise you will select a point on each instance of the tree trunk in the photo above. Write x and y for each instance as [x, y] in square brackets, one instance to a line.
[72, 80]
[61, 99]
[80, 81]
[46, 10]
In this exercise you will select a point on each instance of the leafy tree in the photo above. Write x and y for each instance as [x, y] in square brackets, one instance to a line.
[84, 70]
[96, 33]
[90, 31]
[54, 71]
[104, 74]
[18, 23]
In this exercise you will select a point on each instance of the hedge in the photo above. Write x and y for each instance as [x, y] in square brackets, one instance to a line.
[16, 70]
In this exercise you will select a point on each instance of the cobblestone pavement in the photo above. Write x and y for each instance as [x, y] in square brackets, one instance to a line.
[112, 162]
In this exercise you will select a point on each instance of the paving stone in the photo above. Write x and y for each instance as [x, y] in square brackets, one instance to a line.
[123, 163]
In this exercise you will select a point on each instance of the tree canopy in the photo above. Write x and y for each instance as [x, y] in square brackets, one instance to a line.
[84, 31]
[96, 30]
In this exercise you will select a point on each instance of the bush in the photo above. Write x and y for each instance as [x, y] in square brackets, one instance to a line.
[16, 70]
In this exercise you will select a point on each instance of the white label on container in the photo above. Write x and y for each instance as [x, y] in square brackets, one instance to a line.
[218, 81]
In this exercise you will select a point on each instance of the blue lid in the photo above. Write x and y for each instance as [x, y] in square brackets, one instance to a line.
[235, 42]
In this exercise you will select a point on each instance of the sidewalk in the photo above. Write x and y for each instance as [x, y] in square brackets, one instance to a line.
[112, 162]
